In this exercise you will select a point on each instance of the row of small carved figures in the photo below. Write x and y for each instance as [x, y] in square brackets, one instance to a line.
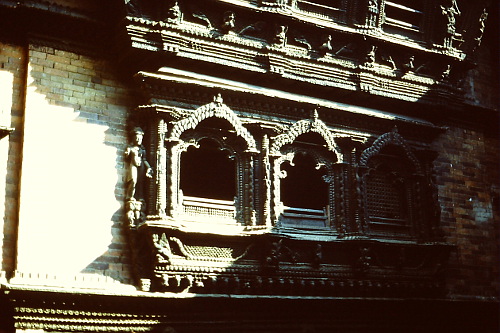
[275, 253]
[228, 24]
[368, 55]
[272, 285]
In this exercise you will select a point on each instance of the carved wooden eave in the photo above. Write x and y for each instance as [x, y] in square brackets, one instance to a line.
[256, 58]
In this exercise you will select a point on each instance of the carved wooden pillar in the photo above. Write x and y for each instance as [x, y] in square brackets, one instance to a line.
[151, 187]
[266, 181]
[427, 20]
[430, 209]
[171, 179]
[161, 166]
[249, 214]
[381, 14]
[338, 198]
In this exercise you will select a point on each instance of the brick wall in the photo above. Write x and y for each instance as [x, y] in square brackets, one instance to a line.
[467, 177]
[70, 219]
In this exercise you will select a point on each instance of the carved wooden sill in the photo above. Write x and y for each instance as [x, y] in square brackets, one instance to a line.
[303, 218]
[210, 210]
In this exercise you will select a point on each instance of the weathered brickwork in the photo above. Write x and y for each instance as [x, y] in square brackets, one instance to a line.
[467, 177]
[12, 61]
[89, 88]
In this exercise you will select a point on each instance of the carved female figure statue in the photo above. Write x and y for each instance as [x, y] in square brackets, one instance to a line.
[136, 165]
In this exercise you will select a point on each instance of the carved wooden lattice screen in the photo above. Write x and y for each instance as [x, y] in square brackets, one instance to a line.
[385, 199]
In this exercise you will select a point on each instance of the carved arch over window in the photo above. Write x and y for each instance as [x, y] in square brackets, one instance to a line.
[214, 109]
[391, 188]
[314, 125]
[390, 138]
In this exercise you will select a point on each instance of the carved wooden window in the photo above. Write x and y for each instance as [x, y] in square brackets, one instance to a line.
[388, 192]
[404, 16]
[391, 187]
[209, 167]
[327, 9]
[304, 183]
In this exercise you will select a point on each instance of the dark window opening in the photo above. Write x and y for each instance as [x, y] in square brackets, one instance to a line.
[208, 172]
[326, 4]
[330, 9]
[309, 139]
[304, 186]
[404, 14]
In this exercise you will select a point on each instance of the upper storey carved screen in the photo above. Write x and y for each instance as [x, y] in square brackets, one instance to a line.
[404, 16]
[327, 9]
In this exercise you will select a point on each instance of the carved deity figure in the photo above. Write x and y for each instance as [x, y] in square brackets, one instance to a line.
[280, 35]
[370, 57]
[135, 212]
[137, 166]
[450, 14]
[371, 13]
[162, 250]
[409, 66]
[173, 13]
[326, 44]
[228, 22]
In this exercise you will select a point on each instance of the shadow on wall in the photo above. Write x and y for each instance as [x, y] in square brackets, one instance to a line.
[71, 212]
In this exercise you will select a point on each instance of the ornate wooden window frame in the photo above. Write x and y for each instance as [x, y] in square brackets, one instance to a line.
[183, 134]
[412, 183]
[283, 150]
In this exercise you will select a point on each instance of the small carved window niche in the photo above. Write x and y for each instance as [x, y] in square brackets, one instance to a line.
[391, 187]
[404, 16]
[210, 175]
[303, 162]
[326, 9]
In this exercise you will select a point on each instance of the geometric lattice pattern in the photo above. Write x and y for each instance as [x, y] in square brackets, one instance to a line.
[384, 198]
[209, 251]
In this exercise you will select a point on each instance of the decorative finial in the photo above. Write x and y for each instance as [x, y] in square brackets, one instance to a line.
[315, 115]
[218, 99]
